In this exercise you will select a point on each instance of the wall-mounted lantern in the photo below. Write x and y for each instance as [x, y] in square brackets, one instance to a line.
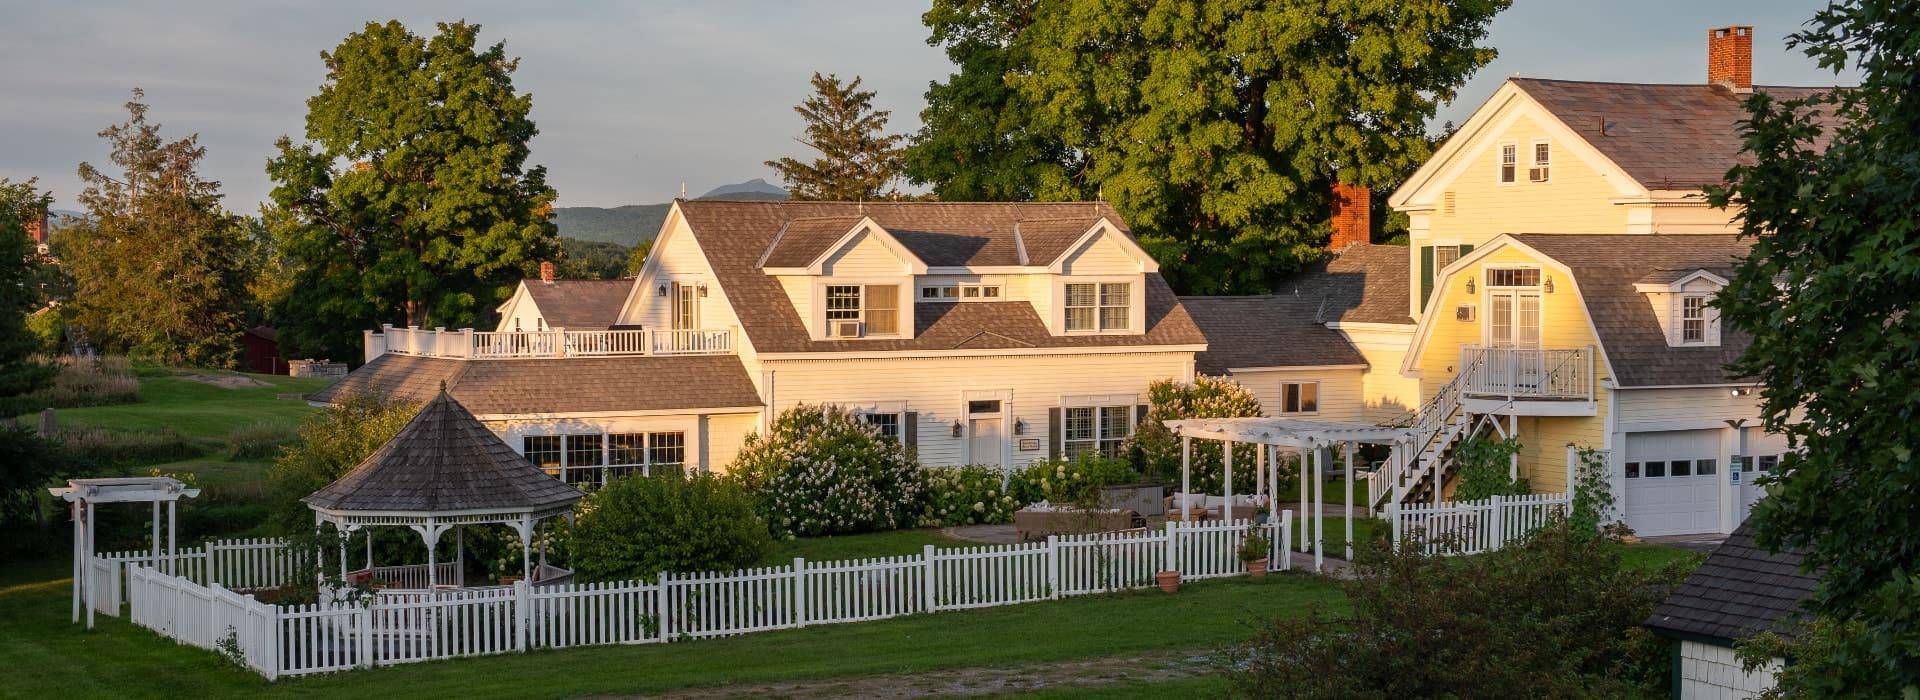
[1549, 284]
[957, 428]
[1469, 285]
[1019, 426]
[703, 291]
[663, 290]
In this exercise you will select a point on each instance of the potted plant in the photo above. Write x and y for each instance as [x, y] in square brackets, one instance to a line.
[1253, 553]
[1169, 581]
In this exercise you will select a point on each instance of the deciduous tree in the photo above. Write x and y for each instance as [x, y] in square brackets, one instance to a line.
[412, 197]
[1830, 294]
[20, 265]
[858, 159]
[159, 268]
[1214, 127]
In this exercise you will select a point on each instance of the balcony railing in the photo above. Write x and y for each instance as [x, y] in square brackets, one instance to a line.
[1527, 373]
[468, 344]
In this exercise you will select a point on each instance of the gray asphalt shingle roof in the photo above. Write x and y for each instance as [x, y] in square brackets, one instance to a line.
[1606, 266]
[443, 461]
[1269, 330]
[1741, 589]
[569, 385]
[579, 304]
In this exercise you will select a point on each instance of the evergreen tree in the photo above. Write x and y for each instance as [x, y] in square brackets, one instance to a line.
[858, 159]
[20, 273]
[411, 201]
[1830, 294]
[158, 268]
[1216, 128]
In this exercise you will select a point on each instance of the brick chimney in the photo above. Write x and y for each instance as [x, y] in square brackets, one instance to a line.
[1352, 216]
[1730, 57]
[37, 228]
[546, 272]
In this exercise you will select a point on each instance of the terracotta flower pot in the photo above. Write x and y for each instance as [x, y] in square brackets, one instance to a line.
[1169, 581]
[1257, 568]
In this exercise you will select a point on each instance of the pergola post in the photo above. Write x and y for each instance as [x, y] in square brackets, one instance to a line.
[1259, 470]
[1273, 482]
[75, 512]
[1226, 456]
[1306, 526]
[154, 561]
[1186, 481]
[1349, 500]
[1319, 501]
[88, 592]
[173, 542]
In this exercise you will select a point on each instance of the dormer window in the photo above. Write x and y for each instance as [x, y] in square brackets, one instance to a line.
[855, 311]
[1098, 306]
[1542, 162]
[1693, 319]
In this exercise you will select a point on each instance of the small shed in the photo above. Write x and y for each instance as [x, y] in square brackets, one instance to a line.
[260, 351]
[443, 471]
[1740, 590]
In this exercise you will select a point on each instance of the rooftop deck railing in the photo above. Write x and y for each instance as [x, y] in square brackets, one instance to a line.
[468, 344]
[1527, 373]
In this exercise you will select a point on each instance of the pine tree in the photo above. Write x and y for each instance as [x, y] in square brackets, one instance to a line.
[858, 159]
[159, 269]
[411, 201]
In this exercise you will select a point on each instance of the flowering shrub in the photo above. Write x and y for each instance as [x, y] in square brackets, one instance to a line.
[1206, 397]
[1070, 482]
[821, 471]
[636, 527]
[970, 495]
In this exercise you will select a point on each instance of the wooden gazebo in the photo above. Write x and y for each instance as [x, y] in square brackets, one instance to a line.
[443, 471]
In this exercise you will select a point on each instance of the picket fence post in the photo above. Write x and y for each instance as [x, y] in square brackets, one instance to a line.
[1499, 525]
[799, 592]
[1172, 562]
[213, 615]
[364, 619]
[927, 587]
[1053, 566]
[523, 613]
[274, 648]
[666, 608]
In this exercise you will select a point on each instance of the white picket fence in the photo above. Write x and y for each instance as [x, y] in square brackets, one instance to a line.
[1472, 527]
[240, 564]
[418, 626]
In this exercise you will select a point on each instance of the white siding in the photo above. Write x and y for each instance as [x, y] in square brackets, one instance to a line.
[1103, 256]
[720, 441]
[1711, 672]
[520, 309]
[1340, 392]
[1386, 393]
[865, 256]
[934, 388]
[800, 292]
[1676, 409]
[678, 258]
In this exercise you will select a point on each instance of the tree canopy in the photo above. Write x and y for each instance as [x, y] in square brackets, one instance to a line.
[1829, 294]
[20, 295]
[411, 200]
[1215, 128]
[158, 267]
[858, 159]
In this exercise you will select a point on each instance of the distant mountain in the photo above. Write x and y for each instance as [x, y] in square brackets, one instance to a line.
[61, 218]
[629, 225]
[751, 189]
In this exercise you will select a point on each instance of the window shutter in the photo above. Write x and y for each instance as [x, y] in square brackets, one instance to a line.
[1053, 433]
[1464, 250]
[1139, 415]
[1426, 275]
[910, 429]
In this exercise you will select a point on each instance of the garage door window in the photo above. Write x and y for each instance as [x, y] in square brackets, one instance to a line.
[1678, 467]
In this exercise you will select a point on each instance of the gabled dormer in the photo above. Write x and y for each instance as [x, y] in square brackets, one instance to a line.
[1682, 300]
[1096, 285]
[848, 277]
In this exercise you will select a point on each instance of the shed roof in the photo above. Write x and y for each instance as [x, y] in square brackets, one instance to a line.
[444, 461]
[1741, 589]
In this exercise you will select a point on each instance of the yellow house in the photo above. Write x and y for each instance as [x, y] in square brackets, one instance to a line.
[1562, 263]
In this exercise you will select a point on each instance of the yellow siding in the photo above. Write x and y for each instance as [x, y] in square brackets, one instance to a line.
[1340, 391]
[1576, 199]
[1104, 256]
[725, 435]
[865, 256]
[1385, 393]
[934, 388]
[1563, 324]
[800, 293]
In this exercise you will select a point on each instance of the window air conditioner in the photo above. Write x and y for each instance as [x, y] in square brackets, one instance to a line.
[1537, 174]
[848, 328]
[1463, 312]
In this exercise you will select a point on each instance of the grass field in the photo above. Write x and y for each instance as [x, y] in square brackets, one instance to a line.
[200, 409]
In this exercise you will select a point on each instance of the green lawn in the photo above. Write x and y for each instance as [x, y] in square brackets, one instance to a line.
[198, 409]
[872, 544]
[1646, 555]
[119, 660]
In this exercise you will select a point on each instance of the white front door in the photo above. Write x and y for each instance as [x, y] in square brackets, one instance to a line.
[1673, 482]
[985, 440]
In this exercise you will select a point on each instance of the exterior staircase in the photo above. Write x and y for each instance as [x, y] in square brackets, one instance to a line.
[1440, 424]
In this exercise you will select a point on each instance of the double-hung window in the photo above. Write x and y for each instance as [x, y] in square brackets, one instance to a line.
[594, 459]
[1693, 319]
[667, 453]
[887, 423]
[877, 306]
[584, 459]
[1103, 306]
[1542, 162]
[1509, 162]
[543, 451]
[1099, 429]
[1299, 397]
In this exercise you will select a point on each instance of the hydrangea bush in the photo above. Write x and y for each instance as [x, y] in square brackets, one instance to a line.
[1205, 397]
[1070, 482]
[969, 495]
[822, 471]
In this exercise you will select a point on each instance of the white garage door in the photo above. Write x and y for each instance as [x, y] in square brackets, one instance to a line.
[1673, 482]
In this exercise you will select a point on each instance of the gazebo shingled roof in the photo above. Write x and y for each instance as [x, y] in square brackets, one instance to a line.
[444, 461]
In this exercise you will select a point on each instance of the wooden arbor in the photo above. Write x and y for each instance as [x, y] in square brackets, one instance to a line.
[82, 495]
[1312, 439]
[443, 471]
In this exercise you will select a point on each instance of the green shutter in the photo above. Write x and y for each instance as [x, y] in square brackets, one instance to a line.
[1053, 433]
[1465, 249]
[1426, 275]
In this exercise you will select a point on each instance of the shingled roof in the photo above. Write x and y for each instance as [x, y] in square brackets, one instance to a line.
[1362, 284]
[571, 385]
[1606, 266]
[1268, 330]
[1741, 589]
[1664, 136]
[583, 305]
[736, 236]
[444, 460]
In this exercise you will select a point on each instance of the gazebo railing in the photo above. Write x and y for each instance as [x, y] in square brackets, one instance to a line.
[410, 576]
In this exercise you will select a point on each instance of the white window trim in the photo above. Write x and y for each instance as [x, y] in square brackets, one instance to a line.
[1533, 150]
[1499, 163]
[1099, 436]
[966, 416]
[606, 450]
[1136, 302]
[1487, 291]
[1680, 320]
[960, 292]
[903, 311]
[1280, 399]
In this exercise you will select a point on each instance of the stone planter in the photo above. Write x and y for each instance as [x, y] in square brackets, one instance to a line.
[1257, 568]
[1168, 581]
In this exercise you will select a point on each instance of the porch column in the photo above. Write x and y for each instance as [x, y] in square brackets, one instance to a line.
[1513, 433]
[1226, 456]
[1186, 480]
[431, 534]
[526, 550]
[460, 555]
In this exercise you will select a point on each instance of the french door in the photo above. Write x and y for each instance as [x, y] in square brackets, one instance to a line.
[1513, 333]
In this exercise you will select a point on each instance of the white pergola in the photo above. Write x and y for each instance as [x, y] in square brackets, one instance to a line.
[1311, 439]
[82, 495]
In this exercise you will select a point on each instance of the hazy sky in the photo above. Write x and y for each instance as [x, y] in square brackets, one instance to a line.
[635, 98]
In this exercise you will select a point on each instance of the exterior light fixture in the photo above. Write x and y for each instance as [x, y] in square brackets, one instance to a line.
[663, 290]
[1469, 285]
[1549, 285]
[957, 428]
[703, 291]
[1019, 426]
[1741, 391]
